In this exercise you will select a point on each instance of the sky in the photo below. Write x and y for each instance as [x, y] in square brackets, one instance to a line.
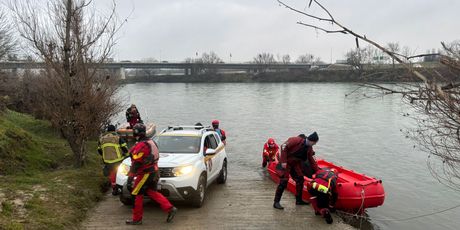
[238, 30]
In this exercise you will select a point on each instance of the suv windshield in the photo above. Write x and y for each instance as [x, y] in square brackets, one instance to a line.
[178, 144]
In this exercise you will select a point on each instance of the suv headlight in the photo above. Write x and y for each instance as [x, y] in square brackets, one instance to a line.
[183, 170]
[123, 169]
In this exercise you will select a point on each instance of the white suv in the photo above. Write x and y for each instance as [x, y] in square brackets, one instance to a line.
[191, 158]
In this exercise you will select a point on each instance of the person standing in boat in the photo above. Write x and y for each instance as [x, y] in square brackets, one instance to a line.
[221, 132]
[294, 152]
[323, 193]
[132, 116]
[271, 149]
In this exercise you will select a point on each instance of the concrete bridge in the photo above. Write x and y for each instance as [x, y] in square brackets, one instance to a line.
[188, 68]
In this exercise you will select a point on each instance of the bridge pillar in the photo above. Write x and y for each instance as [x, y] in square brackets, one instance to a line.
[121, 73]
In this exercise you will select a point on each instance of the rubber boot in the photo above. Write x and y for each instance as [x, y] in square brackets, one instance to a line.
[171, 214]
[132, 222]
[327, 215]
[279, 193]
[277, 205]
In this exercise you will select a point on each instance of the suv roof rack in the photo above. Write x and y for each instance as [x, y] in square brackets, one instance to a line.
[188, 127]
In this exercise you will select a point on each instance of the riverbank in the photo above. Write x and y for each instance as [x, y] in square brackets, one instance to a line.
[40, 188]
[321, 75]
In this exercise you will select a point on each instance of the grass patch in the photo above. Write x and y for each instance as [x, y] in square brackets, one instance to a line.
[40, 188]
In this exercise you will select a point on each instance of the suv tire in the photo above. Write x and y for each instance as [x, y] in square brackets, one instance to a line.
[223, 173]
[200, 195]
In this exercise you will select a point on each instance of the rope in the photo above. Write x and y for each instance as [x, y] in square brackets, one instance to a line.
[401, 219]
[362, 217]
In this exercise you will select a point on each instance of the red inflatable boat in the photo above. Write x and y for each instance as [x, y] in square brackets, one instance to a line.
[356, 191]
[126, 132]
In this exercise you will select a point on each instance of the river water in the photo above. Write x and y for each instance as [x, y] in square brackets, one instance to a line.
[361, 134]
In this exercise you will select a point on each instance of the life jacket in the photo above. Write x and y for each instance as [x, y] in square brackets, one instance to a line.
[218, 131]
[324, 181]
[111, 149]
[271, 151]
[152, 159]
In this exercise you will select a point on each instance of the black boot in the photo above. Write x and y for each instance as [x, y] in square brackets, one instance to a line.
[299, 201]
[328, 217]
[171, 214]
[277, 205]
[115, 191]
[132, 222]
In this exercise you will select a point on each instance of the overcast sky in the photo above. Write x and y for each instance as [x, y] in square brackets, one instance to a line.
[175, 29]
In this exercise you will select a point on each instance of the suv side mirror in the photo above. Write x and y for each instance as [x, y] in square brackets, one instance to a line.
[210, 152]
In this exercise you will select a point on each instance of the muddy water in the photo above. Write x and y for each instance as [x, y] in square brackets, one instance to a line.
[362, 134]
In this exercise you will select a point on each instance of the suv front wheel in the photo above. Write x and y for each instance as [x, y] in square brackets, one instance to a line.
[198, 199]
[223, 173]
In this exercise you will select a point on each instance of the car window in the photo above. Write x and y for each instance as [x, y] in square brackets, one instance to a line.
[178, 144]
[212, 141]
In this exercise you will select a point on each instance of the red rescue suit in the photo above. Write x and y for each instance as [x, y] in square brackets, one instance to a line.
[133, 117]
[144, 167]
[323, 193]
[268, 154]
[294, 152]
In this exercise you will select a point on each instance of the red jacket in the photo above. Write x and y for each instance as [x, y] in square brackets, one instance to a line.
[144, 158]
[295, 148]
[270, 152]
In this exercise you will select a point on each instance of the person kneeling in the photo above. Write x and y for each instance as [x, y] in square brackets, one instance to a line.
[323, 193]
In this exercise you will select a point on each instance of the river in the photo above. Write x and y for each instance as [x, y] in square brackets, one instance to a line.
[360, 133]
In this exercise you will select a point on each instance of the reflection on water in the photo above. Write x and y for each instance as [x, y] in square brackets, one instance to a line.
[363, 135]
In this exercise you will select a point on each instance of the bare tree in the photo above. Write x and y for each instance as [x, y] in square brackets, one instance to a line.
[286, 59]
[394, 48]
[305, 59]
[406, 51]
[354, 58]
[210, 58]
[7, 48]
[264, 59]
[436, 98]
[7, 40]
[206, 61]
[72, 38]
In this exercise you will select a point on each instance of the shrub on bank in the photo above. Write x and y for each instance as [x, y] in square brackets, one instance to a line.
[40, 188]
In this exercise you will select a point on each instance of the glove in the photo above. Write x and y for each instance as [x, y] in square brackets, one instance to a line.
[129, 183]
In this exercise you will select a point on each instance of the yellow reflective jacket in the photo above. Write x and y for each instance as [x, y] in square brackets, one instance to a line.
[111, 148]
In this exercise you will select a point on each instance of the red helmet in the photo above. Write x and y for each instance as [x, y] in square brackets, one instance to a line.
[271, 141]
[215, 122]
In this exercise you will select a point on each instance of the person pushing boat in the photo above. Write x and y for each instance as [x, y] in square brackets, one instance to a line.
[294, 152]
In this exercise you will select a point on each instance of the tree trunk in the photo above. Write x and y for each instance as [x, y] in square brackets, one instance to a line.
[78, 147]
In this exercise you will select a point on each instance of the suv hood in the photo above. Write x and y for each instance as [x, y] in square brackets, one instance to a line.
[172, 159]
[175, 159]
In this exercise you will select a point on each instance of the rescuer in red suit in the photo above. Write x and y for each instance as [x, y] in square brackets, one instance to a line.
[144, 167]
[323, 193]
[270, 151]
[294, 152]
